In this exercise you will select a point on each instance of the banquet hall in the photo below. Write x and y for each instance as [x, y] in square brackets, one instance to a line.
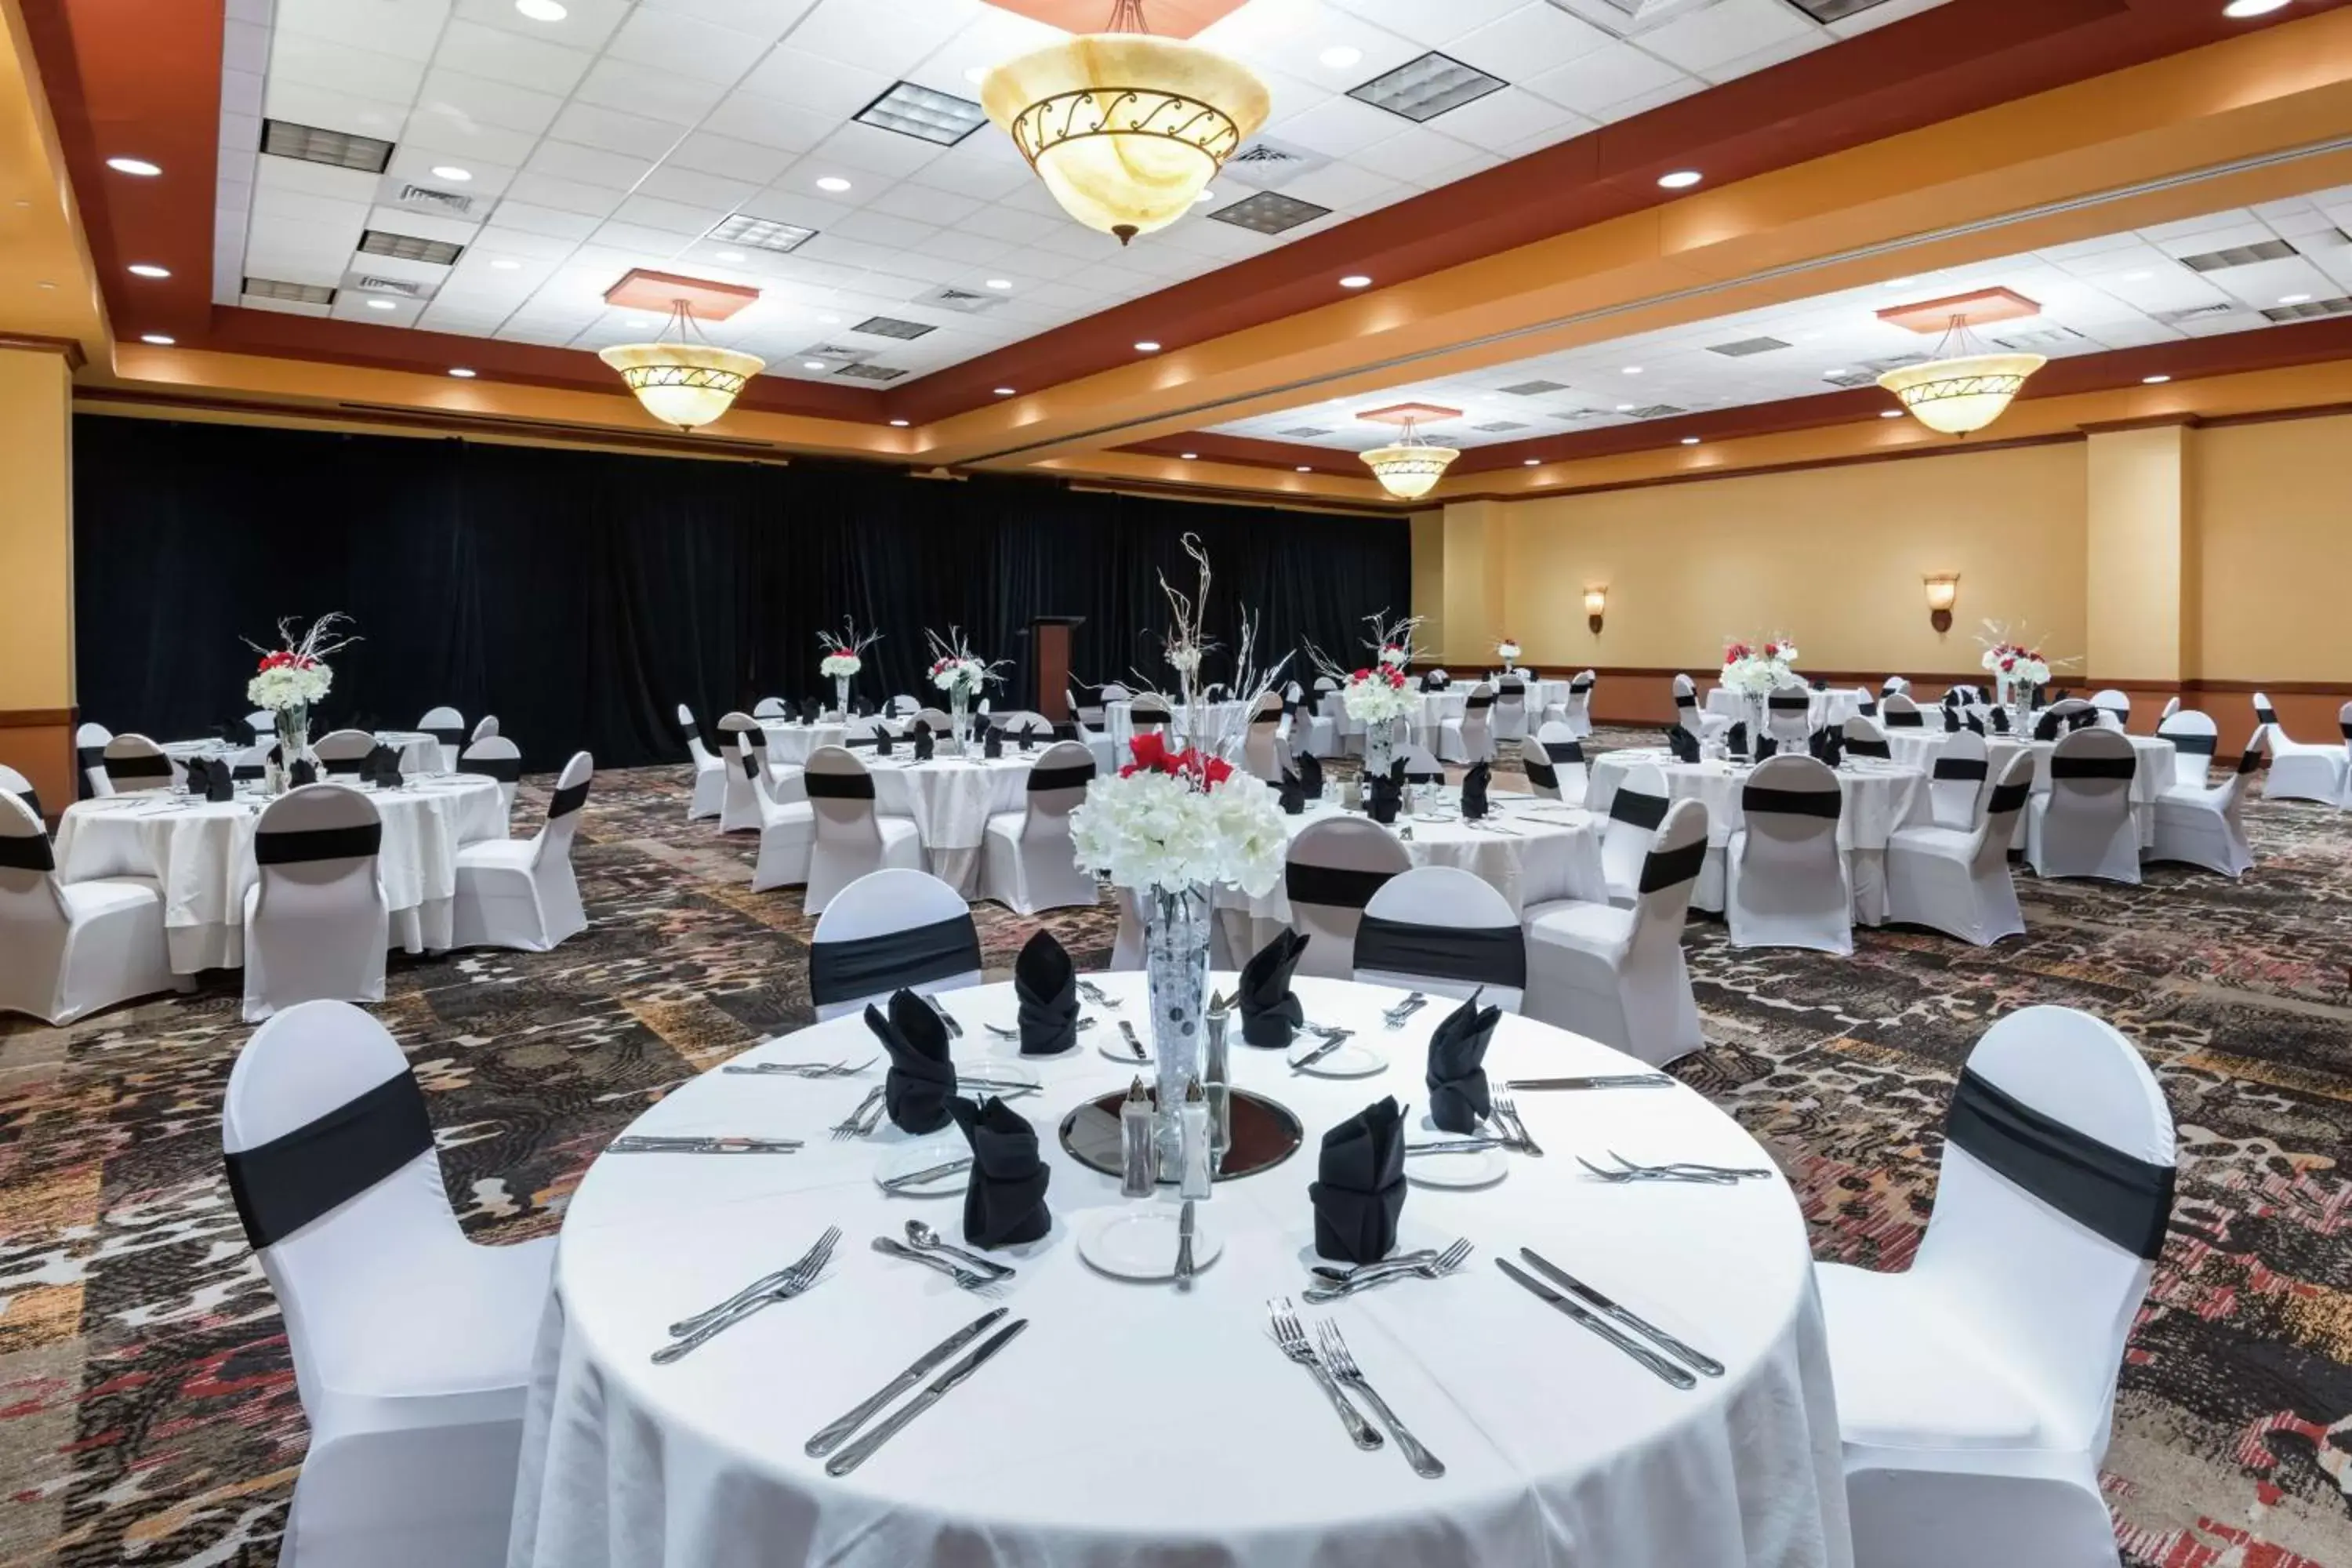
[1583, 768]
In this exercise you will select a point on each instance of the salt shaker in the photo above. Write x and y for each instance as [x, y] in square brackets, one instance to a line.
[1217, 1072]
[1193, 1125]
[1136, 1178]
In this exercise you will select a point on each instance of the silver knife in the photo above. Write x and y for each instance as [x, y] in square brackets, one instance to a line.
[1331, 1044]
[946, 1017]
[1184, 1248]
[1640, 1352]
[831, 1437]
[857, 1453]
[917, 1178]
[1639, 1325]
[1127, 1033]
[1602, 1080]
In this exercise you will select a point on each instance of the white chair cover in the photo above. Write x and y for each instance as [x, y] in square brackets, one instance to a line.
[1553, 761]
[1957, 780]
[1689, 716]
[1478, 732]
[787, 825]
[487, 727]
[739, 810]
[1262, 741]
[710, 772]
[2084, 827]
[316, 924]
[851, 839]
[1617, 975]
[1442, 930]
[132, 764]
[1636, 812]
[520, 893]
[412, 1347]
[1577, 713]
[2195, 738]
[264, 723]
[1507, 721]
[495, 757]
[1863, 738]
[1787, 714]
[2114, 703]
[1956, 878]
[1976, 1389]
[1784, 879]
[68, 948]
[770, 710]
[2204, 826]
[1330, 872]
[1898, 711]
[888, 930]
[446, 725]
[341, 753]
[1027, 862]
[2301, 771]
[89, 756]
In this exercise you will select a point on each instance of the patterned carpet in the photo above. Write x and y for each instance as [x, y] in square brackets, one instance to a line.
[147, 1405]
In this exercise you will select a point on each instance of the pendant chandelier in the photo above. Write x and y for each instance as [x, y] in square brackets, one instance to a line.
[1960, 387]
[681, 378]
[1126, 130]
[1411, 468]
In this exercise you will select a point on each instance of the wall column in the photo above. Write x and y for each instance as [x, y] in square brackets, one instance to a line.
[37, 662]
[1461, 564]
[2140, 622]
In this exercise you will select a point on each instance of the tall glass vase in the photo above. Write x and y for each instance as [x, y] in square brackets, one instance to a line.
[1379, 748]
[293, 735]
[841, 694]
[1755, 707]
[958, 706]
[1176, 969]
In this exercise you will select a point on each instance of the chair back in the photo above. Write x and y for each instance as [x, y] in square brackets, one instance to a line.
[904, 706]
[2003, 804]
[770, 710]
[2115, 703]
[1553, 761]
[2050, 1206]
[1899, 713]
[2171, 706]
[1578, 706]
[317, 849]
[891, 930]
[1670, 872]
[332, 1168]
[1441, 929]
[1686, 713]
[2090, 780]
[1792, 805]
[344, 751]
[485, 728]
[134, 762]
[446, 725]
[841, 795]
[16, 784]
[2194, 738]
[1420, 766]
[1113, 691]
[1635, 813]
[1863, 738]
[89, 756]
[1057, 784]
[1956, 780]
[495, 757]
[1865, 703]
[1789, 713]
[555, 835]
[1330, 873]
[696, 752]
[264, 723]
[1892, 684]
[938, 721]
[1148, 711]
[1477, 729]
[1262, 741]
[30, 898]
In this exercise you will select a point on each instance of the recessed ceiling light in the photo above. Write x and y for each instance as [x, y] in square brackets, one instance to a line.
[1147, 347]
[1690, 440]
[1632, 370]
[1900, 282]
[1834, 369]
[161, 339]
[506, 264]
[812, 364]
[461, 373]
[542, 10]
[2154, 380]
[1208, 193]
[1304, 469]
[2253, 7]
[1003, 392]
[1890, 414]
[832, 182]
[384, 304]
[828, 321]
[1339, 57]
[975, 73]
[898, 424]
[149, 269]
[1000, 282]
[1624, 408]
[2293, 298]
[1188, 457]
[2142, 275]
[133, 166]
[1534, 462]
[451, 172]
[1681, 179]
[1355, 280]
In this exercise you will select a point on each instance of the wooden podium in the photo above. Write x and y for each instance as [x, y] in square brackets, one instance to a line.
[1049, 663]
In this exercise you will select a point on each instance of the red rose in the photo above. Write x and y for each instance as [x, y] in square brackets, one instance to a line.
[1217, 771]
[1361, 675]
[1150, 751]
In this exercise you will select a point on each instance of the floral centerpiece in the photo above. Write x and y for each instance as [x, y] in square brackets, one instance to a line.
[1377, 695]
[2017, 668]
[843, 658]
[1395, 656]
[1177, 821]
[1508, 650]
[1753, 671]
[294, 676]
[960, 674]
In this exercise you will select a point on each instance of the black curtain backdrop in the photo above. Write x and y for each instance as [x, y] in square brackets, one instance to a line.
[580, 596]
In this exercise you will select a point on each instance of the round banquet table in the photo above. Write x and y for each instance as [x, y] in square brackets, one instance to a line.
[419, 752]
[201, 853]
[1224, 719]
[1879, 798]
[1834, 706]
[1131, 1423]
[950, 800]
[1437, 709]
[2151, 775]
[793, 742]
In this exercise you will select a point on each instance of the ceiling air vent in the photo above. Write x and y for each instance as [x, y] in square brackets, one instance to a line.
[2238, 256]
[337, 149]
[970, 301]
[2040, 339]
[292, 293]
[409, 248]
[1586, 416]
[761, 234]
[891, 327]
[834, 355]
[1497, 427]
[441, 203]
[1655, 411]
[2196, 313]
[1851, 378]
[870, 372]
[1422, 89]
[1879, 367]
[1835, 10]
[941, 118]
[1534, 388]
[2314, 243]
[1269, 212]
[1625, 17]
[1269, 163]
[1304, 432]
[1747, 346]
[406, 287]
[2310, 310]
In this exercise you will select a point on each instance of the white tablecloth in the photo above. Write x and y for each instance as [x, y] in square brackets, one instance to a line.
[1834, 706]
[1132, 1424]
[2151, 776]
[951, 800]
[202, 854]
[419, 752]
[1224, 719]
[793, 742]
[1878, 800]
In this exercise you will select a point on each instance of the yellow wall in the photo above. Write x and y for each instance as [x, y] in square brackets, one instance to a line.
[2140, 601]
[36, 671]
[2274, 548]
[1830, 557]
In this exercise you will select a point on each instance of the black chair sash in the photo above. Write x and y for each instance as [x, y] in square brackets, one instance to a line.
[1961, 768]
[294, 847]
[1332, 887]
[1867, 710]
[1581, 683]
[32, 799]
[2265, 713]
[870, 965]
[1664, 869]
[455, 737]
[1540, 774]
[750, 764]
[1492, 955]
[1076, 776]
[284, 1185]
[1631, 805]
[26, 852]
[1915, 720]
[567, 800]
[1822, 803]
[1475, 703]
[1869, 748]
[2008, 799]
[1564, 753]
[2092, 767]
[505, 770]
[838, 786]
[2252, 758]
[154, 767]
[1789, 704]
[343, 767]
[1686, 700]
[2193, 745]
[2113, 1195]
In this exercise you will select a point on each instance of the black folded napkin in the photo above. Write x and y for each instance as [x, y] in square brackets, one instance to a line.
[2084, 719]
[1737, 738]
[1382, 799]
[924, 744]
[195, 771]
[857, 708]
[1310, 775]
[1270, 1013]
[1766, 746]
[1473, 790]
[1832, 746]
[1951, 721]
[1683, 743]
[1004, 1201]
[881, 743]
[2046, 728]
[2060, 695]
[1028, 739]
[810, 709]
[1975, 724]
[303, 771]
[1820, 684]
[2000, 720]
[1952, 698]
[381, 768]
[1294, 795]
[994, 746]
[1046, 984]
[922, 1075]
[1457, 1073]
[220, 780]
[1360, 1189]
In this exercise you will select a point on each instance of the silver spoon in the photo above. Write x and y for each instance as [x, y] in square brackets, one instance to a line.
[926, 1240]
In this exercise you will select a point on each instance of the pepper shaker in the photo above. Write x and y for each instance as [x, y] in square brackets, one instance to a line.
[1135, 1159]
[1193, 1125]
[1217, 1072]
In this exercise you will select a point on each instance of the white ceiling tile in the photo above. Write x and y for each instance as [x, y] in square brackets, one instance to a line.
[592, 125]
[413, 162]
[686, 45]
[1427, 22]
[1611, 75]
[563, 196]
[873, 227]
[1880, 15]
[989, 38]
[494, 54]
[463, 140]
[586, 23]
[802, 80]
[405, 27]
[672, 182]
[925, 205]
[674, 217]
[648, 246]
[1337, 126]
[864, 150]
[537, 251]
[1350, 187]
[890, 40]
[1764, 58]
[457, 98]
[298, 174]
[648, 92]
[971, 168]
[1725, 31]
[422, 225]
[764, 123]
[790, 205]
[1006, 224]
[588, 165]
[1528, 42]
[1417, 154]
[1643, 103]
[1511, 118]
[766, 20]
[333, 109]
[320, 62]
[725, 157]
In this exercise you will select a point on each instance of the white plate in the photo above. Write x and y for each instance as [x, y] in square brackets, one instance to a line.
[1114, 1044]
[1479, 1168]
[921, 1155]
[1354, 1058]
[1139, 1242]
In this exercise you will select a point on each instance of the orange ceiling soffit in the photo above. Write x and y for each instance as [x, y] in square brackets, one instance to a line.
[1404, 413]
[1167, 18]
[642, 289]
[1933, 318]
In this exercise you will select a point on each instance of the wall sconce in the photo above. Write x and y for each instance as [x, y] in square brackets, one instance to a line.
[1596, 600]
[1943, 592]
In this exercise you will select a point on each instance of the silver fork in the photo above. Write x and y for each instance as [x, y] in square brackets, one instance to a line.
[1098, 995]
[848, 1127]
[1507, 1109]
[1292, 1340]
[1343, 1366]
[1644, 1173]
[1700, 1166]
[1394, 1017]
[801, 1069]
[1378, 1274]
[685, 1326]
[801, 1277]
